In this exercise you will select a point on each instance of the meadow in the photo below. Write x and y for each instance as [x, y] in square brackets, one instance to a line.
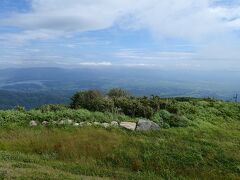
[207, 147]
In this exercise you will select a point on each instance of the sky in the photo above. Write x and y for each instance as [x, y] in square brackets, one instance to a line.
[177, 34]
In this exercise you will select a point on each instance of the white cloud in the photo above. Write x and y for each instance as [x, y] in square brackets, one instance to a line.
[95, 63]
[28, 35]
[196, 21]
[149, 56]
[174, 18]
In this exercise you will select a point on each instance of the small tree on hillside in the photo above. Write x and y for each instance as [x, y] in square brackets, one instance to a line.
[85, 99]
[117, 92]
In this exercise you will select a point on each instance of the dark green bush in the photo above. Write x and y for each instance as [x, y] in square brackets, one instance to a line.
[119, 101]
[85, 99]
[133, 107]
[178, 121]
[20, 108]
[117, 92]
[165, 119]
[172, 108]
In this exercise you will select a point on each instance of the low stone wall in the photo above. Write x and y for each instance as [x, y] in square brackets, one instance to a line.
[141, 125]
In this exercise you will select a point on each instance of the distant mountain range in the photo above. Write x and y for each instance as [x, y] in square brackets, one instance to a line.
[35, 86]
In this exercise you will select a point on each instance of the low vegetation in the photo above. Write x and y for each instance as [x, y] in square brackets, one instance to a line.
[198, 139]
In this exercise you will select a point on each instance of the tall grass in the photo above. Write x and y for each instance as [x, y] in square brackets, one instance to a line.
[208, 148]
[183, 152]
[13, 118]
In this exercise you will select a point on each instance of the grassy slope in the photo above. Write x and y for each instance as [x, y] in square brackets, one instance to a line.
[207, 149]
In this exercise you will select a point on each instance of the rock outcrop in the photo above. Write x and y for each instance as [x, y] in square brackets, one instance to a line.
[146, 125]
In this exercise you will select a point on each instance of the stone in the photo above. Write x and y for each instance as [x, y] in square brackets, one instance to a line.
[33, 123]
[76, 124]
[66, 122]
[105, 125]
[97, 123]
[45, 123]
[145, 125]
[69, 121]
[62, 122]
[128, 125]
[114, 123]
[88, 124]
[54, 122]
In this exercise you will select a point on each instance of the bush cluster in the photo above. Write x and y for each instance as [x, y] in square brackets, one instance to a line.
[162, 111]
[117, 104]
[118, 101]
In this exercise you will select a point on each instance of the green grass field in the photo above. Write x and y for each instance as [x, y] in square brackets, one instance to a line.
[208, 148]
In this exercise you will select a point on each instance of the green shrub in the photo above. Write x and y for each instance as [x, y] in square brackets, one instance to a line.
[52, 107]
[172, 108]
[178, 121]
[20, 108]
[166, 120]
[92, 100]
[117, 92]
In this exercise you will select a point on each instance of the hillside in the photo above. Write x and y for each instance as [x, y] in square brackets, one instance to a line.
[198, 139]
[162, 82]
[11, 99]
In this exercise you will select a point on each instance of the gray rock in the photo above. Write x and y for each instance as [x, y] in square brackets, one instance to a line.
[81, 124]
[69, 121]
[145, 125]
[114, 123]
[62, 122]
[76, 124]
[128, 125]
[54, 122]
[88, 124]
[45, 123]
[97, 123]
[33, 123]
[66, 122]
[105, 125]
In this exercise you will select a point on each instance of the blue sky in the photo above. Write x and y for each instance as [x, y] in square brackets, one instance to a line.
[181, 34]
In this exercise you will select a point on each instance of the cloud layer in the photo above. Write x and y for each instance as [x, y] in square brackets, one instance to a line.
[174, 18]
[212, 27]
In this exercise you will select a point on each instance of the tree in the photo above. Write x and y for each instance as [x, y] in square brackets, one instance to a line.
[20, 108]
[85, 99]
[117, 92]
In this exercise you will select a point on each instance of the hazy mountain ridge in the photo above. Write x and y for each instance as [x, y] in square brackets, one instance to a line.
[11, 99]
[57, 84]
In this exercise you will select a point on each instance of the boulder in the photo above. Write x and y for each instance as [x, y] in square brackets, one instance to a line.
[105, 125]
[145, 125]
[128, 125]
[114, 123]
[33, 123]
